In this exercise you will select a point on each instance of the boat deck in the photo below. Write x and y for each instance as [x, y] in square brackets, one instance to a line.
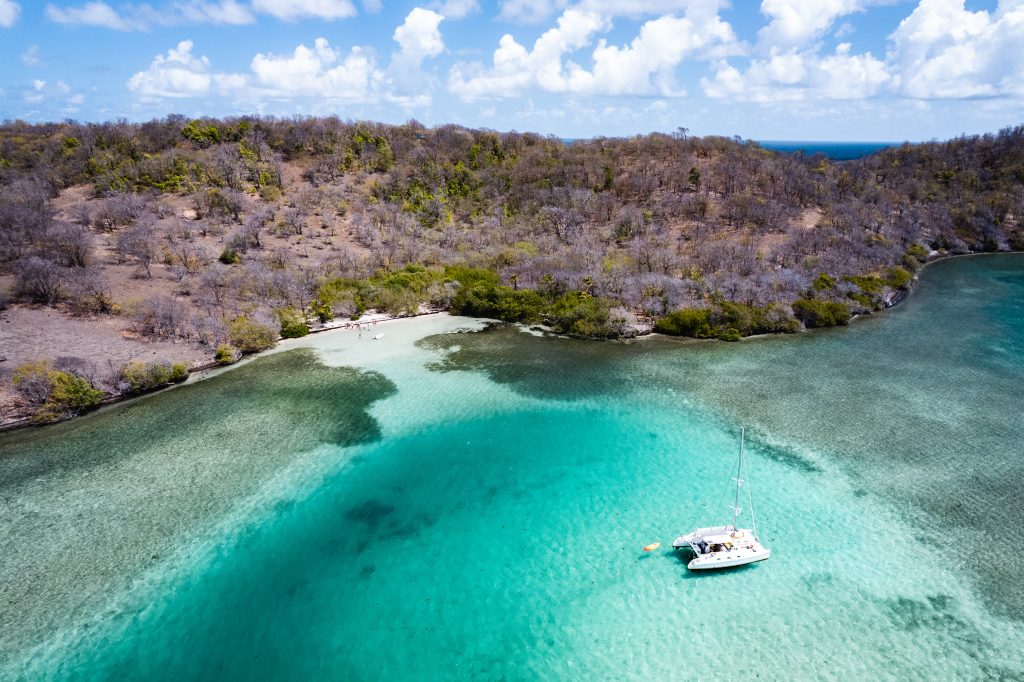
[722, 547]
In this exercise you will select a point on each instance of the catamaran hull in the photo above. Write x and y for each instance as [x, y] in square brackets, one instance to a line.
[714, 563]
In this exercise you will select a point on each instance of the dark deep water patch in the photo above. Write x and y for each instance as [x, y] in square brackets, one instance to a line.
[535, 366]
[291, 388]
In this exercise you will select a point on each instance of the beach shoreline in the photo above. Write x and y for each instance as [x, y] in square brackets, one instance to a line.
[13, 420]
[22, 419]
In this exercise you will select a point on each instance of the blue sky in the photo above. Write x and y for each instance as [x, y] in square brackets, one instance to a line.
[774, 69]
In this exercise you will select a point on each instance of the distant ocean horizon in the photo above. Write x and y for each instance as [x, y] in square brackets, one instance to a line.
[837, 151]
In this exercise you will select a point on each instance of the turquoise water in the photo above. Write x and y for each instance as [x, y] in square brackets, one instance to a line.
[840, 151]
[442, 505]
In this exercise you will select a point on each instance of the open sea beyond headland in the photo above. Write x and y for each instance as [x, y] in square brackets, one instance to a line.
[450, 502]
[838, 151]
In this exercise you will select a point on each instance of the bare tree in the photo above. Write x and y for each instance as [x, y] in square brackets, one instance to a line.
[190, 257]
[38, 280]
[81, 213]
[294, 220]
[87, 291]
[139, 244]
[162, 316]
[69, 245]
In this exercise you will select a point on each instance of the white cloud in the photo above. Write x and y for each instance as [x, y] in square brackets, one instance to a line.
[9, 11]
[530, 11]
[225, 12]
[515, 68]
[643, 8]
[456, 9]
[645, 66]
[845, 76]
[98, 14]
[943, 50]
[320, 71]
[58, 93]
[142, 16]
[794, 23]
[790, 65]
[418, 36]
[794, 75]
[290, 10]
[30, 57]
[176, 74]
[940, 51]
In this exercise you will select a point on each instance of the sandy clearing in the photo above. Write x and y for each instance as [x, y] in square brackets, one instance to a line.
[29, 333]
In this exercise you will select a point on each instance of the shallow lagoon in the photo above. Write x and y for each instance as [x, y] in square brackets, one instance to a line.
[451, 505]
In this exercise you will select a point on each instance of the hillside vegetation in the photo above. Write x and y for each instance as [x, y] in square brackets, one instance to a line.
[228, 232]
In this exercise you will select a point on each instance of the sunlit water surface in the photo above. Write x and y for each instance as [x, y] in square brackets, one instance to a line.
[449, 503]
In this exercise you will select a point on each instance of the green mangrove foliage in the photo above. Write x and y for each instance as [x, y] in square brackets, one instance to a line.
[54, 394]
[873, 286]
[293, 323]
[815, 312]
[250, 336]
[226, 354]
[481, 294]
[894, 278]
[139, 376]
[467, 290]
[727, 321]
[397, 293]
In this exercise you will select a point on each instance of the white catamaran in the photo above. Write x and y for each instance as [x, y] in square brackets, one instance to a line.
[726, 546]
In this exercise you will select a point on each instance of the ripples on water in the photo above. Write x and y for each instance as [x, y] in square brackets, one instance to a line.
[475, 507]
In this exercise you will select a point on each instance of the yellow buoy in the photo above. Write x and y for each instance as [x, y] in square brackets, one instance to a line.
[653, 546]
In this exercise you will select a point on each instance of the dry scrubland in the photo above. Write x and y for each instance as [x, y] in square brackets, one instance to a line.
[129, 252]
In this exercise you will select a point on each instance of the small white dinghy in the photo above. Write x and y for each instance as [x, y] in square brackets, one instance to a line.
[729, 545]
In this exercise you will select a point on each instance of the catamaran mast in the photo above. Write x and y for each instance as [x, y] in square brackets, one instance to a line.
[739, 482]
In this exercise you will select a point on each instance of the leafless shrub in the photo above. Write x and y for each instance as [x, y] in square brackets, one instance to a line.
[181, 232]
[210, 329]
[81, 213]
[25, 217]
[219, 204]
[139, 244]
[118, 210]
[162, 316]
[191, 257]
[87, 291]
[38, 280]
[293, 221]
[81, 367]
[162, 209]
[214, 287]
[69, 245]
